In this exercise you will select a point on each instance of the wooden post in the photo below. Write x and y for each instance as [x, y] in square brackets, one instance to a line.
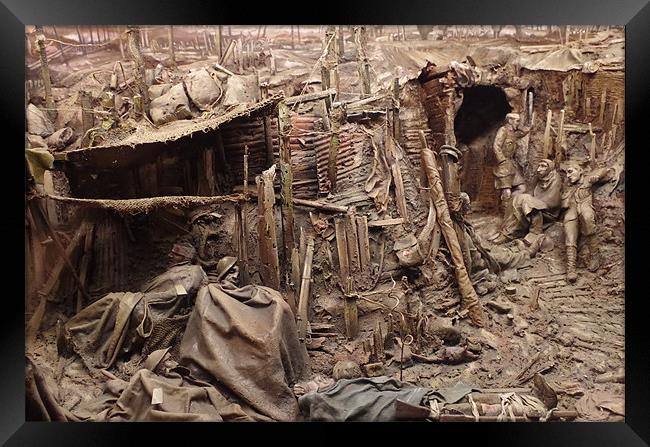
[547, 134]
[133, 39]
[592, 148]
[587, 108]
[351, 316]
[614, 115]
[329, 61]
[342, 247]
[341, 41]
[268, 138]
[292, 43]
[364, 244]
[83, 42]
[218, 37]
[208, 172]
[559, 154]
[268, 246]
[400, 195]
[364, 65]
[305, 288]
[286, 178]
[45, 72]
[601, 114]
[530, 108]
[396, 122]
[170, 37]
[87, 116]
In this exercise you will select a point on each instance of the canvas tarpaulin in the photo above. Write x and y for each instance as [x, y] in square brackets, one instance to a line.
[114, 323]
[245, 342]
[360, 400]
[178, 397]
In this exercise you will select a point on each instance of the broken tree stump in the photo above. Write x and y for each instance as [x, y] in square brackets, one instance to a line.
[268, 244]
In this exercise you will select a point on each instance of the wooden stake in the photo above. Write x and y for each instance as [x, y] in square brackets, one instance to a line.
[601, 115]
[364, 65]
[588, 107]
[305, 288]
[332, 166]
[559, 153]
[268, 138]
[245, 189]
[218, 41]
[400, 195]
[87, 116]
[268, 246]
[547, 134]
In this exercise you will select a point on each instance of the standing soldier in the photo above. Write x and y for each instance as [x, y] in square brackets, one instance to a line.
[580, 217]
[508, 174]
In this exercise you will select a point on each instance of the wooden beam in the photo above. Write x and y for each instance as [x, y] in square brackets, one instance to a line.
[385, 222]
[559, 153]
[329, 93]
[601, 113]
[592, 148]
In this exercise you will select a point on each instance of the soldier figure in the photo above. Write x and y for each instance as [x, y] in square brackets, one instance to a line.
[577, 201]
[528, 211]
[508, 174]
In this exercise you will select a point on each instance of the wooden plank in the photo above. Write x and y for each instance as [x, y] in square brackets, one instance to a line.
[592, 148]
[308, 97]
[601, 114]
[286, 179]
[559, 153]
[342, 247]
[352, 241]
[385, 222]
[364, 244]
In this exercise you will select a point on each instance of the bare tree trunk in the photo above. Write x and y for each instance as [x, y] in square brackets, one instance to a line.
[133, 39]
[45, 72]
[171, 44]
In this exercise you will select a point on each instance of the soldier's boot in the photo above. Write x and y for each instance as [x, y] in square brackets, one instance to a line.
[571, 253]
[593, 264]
[534, 242]
[536, 224]
[476, 314]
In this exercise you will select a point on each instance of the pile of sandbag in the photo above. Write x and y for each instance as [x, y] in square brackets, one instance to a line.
[41, 133]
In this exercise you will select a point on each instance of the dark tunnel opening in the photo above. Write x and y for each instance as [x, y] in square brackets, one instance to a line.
[482, 112]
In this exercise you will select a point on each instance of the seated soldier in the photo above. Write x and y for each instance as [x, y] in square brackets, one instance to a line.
[528, 211]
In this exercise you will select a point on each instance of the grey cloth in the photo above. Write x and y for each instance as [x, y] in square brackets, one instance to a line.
[360, 400]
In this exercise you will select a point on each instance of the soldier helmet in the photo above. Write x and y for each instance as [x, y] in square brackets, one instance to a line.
[224, 265]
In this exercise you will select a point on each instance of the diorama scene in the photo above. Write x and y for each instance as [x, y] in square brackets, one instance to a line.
[324, 223]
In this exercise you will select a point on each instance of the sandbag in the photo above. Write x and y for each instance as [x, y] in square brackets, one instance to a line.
[156, 91]
[202, 89]
[61, 138]
[36, 141]
[241, 90]
[38, 123]
[171, 106]
[245, 342]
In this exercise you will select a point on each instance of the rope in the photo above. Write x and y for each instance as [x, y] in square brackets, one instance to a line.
[146, 205]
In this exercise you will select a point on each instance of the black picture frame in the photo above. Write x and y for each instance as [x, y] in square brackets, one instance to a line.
[634, 14]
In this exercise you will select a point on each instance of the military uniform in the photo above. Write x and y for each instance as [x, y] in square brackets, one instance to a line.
[507, 173]
[580, 218]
